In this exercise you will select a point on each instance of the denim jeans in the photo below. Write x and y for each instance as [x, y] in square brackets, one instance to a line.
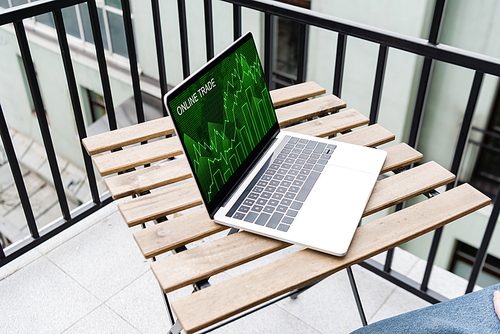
[471, 313]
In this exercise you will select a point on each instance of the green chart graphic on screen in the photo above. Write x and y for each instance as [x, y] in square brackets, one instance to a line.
[227, 122]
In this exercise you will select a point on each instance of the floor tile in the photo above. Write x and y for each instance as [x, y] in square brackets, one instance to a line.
[78, 228]
[18, 263]
[102, 320]
[328, 306]
[142, 305]
[104, 258]
[272, 320]
[401, 301]
[441, 281]
[402, 262]
[373, 290]
[41, 298]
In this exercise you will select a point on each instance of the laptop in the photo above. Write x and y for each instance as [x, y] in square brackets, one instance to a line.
[253, 176]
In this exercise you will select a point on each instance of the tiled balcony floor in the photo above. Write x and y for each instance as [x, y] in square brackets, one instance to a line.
[92, 279]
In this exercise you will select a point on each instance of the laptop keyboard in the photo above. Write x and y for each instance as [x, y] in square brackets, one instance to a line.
[279, 190]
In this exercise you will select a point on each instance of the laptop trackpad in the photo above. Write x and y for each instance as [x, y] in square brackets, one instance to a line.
[334, 207]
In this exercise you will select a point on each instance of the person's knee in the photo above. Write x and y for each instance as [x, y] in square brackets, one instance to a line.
[496, 303]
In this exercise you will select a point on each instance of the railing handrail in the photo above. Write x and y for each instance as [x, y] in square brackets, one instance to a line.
[30, 9]
[415, 45]
[420, 46]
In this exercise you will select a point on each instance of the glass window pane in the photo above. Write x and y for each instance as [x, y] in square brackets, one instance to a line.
[4, 3]
[117, 32]
[46, 19]
[288, 39]
[18, 2]
[87, 28]
[114, 3]
[71, 22]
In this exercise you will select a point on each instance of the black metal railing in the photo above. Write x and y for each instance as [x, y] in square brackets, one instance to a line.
[15, 16]
[430, 49]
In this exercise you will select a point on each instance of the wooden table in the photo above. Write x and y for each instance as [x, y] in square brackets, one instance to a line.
[221, 301]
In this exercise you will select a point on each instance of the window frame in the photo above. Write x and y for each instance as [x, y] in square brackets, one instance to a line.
[81, 42]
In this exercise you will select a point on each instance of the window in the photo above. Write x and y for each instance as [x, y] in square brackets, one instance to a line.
[96, 105]
[77, 23]
[463, 260]
[28, 90]
[486, 174]
[287, 43]
[26, 84]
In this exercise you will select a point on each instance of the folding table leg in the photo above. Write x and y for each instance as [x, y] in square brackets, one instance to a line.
[299, 291]
[169, 309]
[176, 328]
[356, 296]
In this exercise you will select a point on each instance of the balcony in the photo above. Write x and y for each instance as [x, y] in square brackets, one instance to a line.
[58, 263]
[70, 284]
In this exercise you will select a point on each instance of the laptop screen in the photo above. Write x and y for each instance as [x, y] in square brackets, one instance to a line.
[223, 116]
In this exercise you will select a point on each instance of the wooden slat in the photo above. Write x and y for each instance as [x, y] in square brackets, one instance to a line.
[209, 259]
[137, 156]
[397, 155]
[149, 178]
[140, 155]
[371, 136]
[163, 126]
[296, 93]
[403, 186]
[228, 253]
[221, 301]
[309, 109]
[126, 136]
[169, 235]
[160, 203]
[400, 155]
[331, 124]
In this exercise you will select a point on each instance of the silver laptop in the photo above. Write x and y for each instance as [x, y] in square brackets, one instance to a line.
[252, 176]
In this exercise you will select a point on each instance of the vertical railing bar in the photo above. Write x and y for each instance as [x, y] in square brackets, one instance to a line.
[209, 29]
[379, 83]
[101, 61]
[268, 50]
[437, 21]
[132, 56]
[462, 141]
[18, 177]
[420, 103]
[339, 64]
[388, 260]
[302, 53]
[160, 55]
[75, 101]
[236, 21]
[465, 128]
[477, 267]
[2, 253]
[41, 117]
[181, 6]
[431, 258]
[418, 114]
[390, 253]
[426, 74]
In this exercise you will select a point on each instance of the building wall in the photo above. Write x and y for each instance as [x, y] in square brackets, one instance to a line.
[223, 34]
[406, 17]
[471, 25]
[468, 24]
[55, 94]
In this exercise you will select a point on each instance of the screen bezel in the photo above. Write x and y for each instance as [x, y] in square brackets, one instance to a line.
[247, 165]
